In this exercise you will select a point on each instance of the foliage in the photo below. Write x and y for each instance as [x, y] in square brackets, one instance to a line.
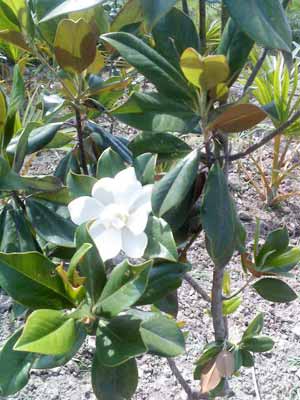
[60, 235]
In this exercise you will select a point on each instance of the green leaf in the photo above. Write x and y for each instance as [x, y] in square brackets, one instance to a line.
[70, 6]
[230, 306]
[257, 344]
[275, 290]
[247, 359]
[17, 96]
[236, 46]
[219, 218]
[255, 327]
[50, 225]
[277, 241]
[172, 189]
[38, 138]
[171, 40]
[150, 63]
[166, 145]
[164, 278]
[92, 266]
[118, 383]
[162, 337]
[161, 243]
[269, 27]
[144, 166]
[49, 361]
[47, 332]
[14, 367]
[119, 340]
[123, 289]
[278, 263]
[80, 185]
[210, 351]
[109, 164]
[31, 279]
[156, 113]
[15, 231]
[130, 13]
[153, 10]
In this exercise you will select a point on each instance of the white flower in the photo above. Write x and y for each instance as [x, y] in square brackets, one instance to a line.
[118, 210]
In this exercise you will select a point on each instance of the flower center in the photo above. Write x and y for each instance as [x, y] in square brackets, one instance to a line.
[114, 216]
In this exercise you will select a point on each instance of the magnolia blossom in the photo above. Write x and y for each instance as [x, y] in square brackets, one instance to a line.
[118, 211]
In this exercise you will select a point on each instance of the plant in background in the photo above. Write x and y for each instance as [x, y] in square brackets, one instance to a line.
[59, 235]
[276, 90]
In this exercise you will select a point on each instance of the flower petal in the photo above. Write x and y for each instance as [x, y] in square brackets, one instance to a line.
[103, 191]
[84, 209]
[143, 200]
[134, 245]
[137, 221]
[127, 187]
[107, 241]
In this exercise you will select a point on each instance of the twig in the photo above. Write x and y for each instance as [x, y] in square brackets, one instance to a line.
[265, 139]
[217, 304]
[255, 71]
[251, 279]
[195, 285]
[255, 382]
[80, 140]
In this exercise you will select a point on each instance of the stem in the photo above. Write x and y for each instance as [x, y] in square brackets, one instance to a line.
[255, 71]
[202, 25]
[275, 164]
[195, 285]
[80, 140]
[217, 305]
[185, 7]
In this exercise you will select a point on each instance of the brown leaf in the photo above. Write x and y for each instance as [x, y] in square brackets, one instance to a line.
[225, 363]
[238, 118]
[210, 376]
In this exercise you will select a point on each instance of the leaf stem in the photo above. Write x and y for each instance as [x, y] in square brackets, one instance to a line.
[251, 279]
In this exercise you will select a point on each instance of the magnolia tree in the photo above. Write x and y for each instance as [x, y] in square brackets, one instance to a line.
[100, 248]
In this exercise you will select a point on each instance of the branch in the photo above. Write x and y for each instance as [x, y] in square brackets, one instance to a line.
[255, 71]
[202, 25]
[195, 285]
[217, 305]
[266, 139]
[80, 140]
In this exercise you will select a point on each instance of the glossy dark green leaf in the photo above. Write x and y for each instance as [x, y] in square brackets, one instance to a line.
[153, 10]
[48, 332]
[275, 290]
[163, 279]
[257, 344]
[255, 327]
[247, 359]
[48, 361]
[119, 340]
[162, 336]
[50, 225]
[171, 40]
[236, 46]
[105, 140]
[118, 383]
[169, 304]
[31, 279]
[109, 164]
[14, 367]
[150, 63]
[144, 166]
[38, 138]
[92, 266]
[155, 113]
[80, 185]
[166, 145]
[172, 189]
[269, 27]
[15, 231]
[219, 218]
[123, 289]
[161, 243]
[67, 164]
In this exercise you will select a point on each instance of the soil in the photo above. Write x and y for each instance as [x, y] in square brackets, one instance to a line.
[277, 372]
